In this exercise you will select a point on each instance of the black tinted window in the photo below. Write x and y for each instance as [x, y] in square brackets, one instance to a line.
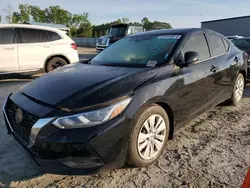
[6, 36]
[43, 36]
[53, 36]
[217, 45]
[30, 35]
[198, 44]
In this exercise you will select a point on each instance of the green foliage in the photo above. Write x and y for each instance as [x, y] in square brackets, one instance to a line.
[156, 25]
[57, 15]
[0, 18]
[16, 17]
[37, 14]
[125, 20]
[79, 24]
[84, 30]
[24, 12]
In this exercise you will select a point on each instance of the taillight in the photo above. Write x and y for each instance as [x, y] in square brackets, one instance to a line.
[74, 46]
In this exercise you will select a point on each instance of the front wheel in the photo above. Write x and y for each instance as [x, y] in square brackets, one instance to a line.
[238, 90]
[149, 136]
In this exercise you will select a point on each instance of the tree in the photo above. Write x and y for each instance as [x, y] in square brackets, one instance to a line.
[57, 15]
[25, 11]
[156, 25]
[16, 17]
[0, 19]
[85, 30]
[37, 14]
[76, 21]
[119, 21]
[125, 20]
[160, 25]
[9, 12]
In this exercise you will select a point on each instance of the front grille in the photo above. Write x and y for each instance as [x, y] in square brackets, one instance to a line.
[23, 128]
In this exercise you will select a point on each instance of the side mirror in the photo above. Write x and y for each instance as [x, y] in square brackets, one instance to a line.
[191, 57]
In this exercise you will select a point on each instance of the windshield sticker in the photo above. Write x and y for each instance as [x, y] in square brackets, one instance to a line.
[151, 63]
[169, 37]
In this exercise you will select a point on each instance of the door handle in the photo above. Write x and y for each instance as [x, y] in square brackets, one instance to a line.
[46, 46]
[214, 69]
[236, 59]
[9, 48]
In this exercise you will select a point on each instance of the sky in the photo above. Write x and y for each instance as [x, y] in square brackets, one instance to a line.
[179, 13]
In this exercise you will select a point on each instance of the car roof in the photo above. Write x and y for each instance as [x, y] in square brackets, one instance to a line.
[181, 31]
[28, 26]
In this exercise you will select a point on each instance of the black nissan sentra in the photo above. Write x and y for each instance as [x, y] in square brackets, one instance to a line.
[125, 103]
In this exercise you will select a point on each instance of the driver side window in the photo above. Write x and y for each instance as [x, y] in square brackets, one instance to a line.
[197, 43]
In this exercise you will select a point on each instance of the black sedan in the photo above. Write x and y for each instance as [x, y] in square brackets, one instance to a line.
[125, 103]
[244, 45]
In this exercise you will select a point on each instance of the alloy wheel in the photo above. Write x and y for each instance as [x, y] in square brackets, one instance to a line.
[239, 89]
[56, 65]
[151, 137]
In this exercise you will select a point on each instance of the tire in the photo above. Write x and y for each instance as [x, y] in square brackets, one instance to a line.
[137, 155]
[238, 90]
[55, 63]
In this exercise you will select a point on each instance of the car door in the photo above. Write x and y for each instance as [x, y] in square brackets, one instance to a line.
[34, 48]
[8, 51]
[225, 63]
[197, 87]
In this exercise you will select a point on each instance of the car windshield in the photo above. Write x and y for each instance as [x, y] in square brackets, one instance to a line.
[117, 31]
[138, 50]
[243, 44]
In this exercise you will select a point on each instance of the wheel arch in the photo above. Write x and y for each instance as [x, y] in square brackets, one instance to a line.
[53, 56]
[243, 72]
[166, 105]
[170, 114]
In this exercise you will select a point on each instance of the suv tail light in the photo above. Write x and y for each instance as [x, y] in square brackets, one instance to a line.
[74, 46]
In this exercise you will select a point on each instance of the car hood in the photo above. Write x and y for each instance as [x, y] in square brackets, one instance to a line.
[80, 85]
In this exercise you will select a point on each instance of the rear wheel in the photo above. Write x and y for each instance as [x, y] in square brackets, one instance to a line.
[55, 63]
[238, 90]
[148, 137]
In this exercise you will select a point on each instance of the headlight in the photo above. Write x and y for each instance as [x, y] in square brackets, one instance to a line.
[92, 118]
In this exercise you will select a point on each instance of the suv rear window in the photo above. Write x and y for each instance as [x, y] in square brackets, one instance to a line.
[53, 36]
[217, 44]
[6, 36]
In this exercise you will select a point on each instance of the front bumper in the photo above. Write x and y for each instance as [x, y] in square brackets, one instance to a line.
[100, 48]
[75, 151]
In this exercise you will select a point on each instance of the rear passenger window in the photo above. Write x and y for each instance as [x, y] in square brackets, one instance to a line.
[30, 35]
[6, 36]
[226, 44]
[53, 36]
[217, 44]
[198, 44]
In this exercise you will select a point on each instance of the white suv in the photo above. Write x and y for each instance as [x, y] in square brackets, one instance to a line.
[26, 48]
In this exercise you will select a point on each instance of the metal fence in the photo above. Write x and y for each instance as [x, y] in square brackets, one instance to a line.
[85, 42]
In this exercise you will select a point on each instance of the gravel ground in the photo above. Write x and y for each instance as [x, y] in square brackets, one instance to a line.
[211, 151]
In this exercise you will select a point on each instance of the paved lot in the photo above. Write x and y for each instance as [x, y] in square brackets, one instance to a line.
[211, 151]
